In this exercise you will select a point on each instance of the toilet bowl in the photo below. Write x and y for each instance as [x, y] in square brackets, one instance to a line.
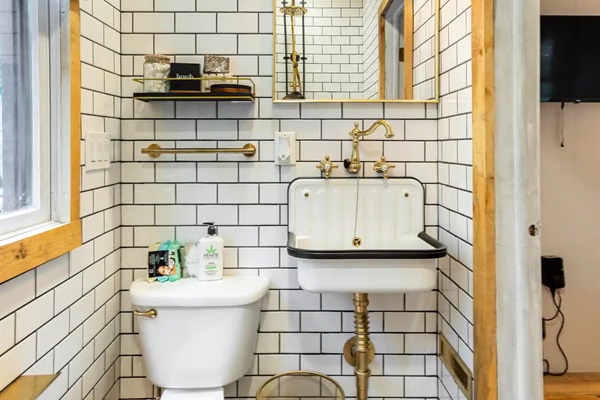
[197, 337]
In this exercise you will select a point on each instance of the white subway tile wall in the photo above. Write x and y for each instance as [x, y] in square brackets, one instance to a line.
[248, 199]
[455, 299]
[64, 315]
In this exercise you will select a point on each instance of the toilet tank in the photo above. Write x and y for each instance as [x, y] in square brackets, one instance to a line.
[204, 334]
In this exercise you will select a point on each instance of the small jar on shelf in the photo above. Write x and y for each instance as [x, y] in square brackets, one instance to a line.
[216, 70]
[156, 69]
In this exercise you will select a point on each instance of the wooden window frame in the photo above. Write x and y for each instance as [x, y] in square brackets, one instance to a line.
[26, 254]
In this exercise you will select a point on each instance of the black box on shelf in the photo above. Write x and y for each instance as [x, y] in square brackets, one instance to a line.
[185, 71]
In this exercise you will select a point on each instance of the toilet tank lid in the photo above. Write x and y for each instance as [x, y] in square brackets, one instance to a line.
[228, 292]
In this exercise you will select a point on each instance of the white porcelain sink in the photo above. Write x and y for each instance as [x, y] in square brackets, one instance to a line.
[395, 254]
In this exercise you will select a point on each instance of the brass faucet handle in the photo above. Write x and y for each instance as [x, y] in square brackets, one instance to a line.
[383, 167]
[326, 166]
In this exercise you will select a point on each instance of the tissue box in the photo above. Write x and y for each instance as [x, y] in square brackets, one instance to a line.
[182, 70]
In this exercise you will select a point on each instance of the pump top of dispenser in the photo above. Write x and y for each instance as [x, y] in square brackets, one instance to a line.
[212, 229]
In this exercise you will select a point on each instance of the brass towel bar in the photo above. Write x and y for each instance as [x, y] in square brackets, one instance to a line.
[155, 151]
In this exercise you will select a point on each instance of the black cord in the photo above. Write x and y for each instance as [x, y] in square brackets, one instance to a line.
[557, 307]
[562, 124]
[559, 312]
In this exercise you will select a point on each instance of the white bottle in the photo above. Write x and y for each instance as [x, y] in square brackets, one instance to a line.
[211, 255]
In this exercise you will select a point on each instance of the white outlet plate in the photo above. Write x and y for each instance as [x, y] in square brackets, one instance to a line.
[97, 151]
[285, 148]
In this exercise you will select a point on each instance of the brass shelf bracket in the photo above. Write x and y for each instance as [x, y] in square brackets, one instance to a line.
[155, 151]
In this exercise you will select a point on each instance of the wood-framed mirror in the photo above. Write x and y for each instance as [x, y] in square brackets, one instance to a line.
[356, 50]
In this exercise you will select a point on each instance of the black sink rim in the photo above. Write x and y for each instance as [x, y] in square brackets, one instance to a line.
[439, 250]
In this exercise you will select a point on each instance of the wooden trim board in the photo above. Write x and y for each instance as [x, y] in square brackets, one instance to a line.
[572, 386]
[75, 31]
[23, 255]
[409, 38]
[571, 397]
[484, 245]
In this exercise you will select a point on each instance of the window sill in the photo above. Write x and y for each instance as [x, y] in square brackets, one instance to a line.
[29, 232]
[22, 254]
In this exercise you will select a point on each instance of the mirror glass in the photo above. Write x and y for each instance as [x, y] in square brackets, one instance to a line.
[355, 50]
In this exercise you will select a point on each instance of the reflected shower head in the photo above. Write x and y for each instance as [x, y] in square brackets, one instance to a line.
[294, 11]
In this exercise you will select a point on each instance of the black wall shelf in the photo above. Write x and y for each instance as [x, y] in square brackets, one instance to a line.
[230, 97]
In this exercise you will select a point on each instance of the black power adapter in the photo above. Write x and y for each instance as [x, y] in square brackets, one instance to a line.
[553, 277]
[553, 273]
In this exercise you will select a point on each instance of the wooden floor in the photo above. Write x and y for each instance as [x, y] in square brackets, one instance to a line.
[572, 387]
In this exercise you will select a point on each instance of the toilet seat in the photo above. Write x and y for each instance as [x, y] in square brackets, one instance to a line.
[193, 394]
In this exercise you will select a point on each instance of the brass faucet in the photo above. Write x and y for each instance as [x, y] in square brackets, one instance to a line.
[353, 164]
[383, 167]
[326, 166]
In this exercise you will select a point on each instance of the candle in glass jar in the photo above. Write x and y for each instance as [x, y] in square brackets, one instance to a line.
[156, 69]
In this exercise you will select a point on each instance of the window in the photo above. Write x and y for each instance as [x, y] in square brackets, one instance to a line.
[25, 64]
[39, 131]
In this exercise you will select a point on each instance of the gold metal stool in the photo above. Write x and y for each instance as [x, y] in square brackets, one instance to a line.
[300, 385]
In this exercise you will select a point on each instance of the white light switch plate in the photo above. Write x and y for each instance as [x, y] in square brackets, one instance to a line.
[97, 151]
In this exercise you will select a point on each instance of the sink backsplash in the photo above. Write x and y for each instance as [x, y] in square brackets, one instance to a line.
[388, 210]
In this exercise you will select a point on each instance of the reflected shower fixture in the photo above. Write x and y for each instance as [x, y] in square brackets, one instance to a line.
[294, 11]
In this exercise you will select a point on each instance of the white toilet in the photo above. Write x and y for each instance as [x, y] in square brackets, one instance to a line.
[202, 335]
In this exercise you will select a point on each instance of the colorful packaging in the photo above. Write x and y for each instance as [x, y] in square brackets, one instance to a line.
[164, 262]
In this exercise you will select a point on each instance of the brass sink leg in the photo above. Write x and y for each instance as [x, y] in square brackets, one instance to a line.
[359, 351]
